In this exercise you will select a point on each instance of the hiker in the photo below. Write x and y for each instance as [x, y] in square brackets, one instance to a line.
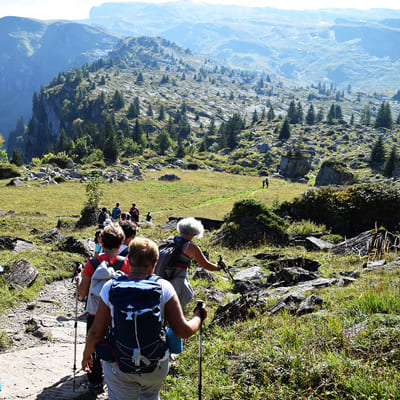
[125, 217]
[103, 215]
[265, 183]
[130, 232]
[116, 213]
[96, 272]
[97, 246]
[148, 217]
[143, 255]
[134, 211]
[188, 229]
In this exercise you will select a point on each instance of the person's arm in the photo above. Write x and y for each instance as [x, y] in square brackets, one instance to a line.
[83, 285]
[195, 253]
[178, 323]
[96, 334]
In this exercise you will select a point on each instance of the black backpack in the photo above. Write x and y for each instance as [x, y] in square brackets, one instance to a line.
[168, 256]
[117, 265]
[138, 336]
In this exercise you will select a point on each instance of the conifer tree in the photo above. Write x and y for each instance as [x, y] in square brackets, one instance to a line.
[134, 109]
[62, 143]
[270, 114]
[163, 142]
[284, 130]
[320, 115]
[149, 110]
[16, 158]
[391, 163]
[378, 153]
[384, 116]
[365, 115]
[254, 118]
[310, 116]
[161, 114]
[292, 113]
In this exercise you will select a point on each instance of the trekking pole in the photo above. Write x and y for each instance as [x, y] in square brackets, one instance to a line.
[225, 269]
[77, 270]
[200, 307]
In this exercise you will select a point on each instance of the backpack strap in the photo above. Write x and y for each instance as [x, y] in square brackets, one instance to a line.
[117, 265]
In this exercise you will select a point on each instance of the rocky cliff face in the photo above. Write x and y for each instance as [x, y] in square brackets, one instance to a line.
[33, 52]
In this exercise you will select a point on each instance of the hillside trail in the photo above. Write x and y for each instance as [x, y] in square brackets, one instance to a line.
[36, 368]
[213, 202]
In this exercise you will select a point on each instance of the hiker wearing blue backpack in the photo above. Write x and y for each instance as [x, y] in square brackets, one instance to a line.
[116, 213]
[97, 271]
[137, 307]
[177, 271]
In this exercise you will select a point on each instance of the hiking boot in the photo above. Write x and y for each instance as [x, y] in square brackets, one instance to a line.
[95, 389]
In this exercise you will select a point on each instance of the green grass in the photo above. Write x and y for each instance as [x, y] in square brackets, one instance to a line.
[347, 349]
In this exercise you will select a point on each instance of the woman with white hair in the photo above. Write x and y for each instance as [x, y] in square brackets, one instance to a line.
[188, 229]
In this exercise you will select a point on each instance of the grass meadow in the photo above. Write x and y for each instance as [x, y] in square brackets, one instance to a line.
[348, 349]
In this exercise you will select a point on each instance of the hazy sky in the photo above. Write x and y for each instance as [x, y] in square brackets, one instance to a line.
[79, 9]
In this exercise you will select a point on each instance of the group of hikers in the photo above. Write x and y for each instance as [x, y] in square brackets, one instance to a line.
[116, 215]
[134, 315]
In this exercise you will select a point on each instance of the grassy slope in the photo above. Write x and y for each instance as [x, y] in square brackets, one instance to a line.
[266, 357]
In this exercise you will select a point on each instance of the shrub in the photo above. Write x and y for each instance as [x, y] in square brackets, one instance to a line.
[347, 211]
[8, 171]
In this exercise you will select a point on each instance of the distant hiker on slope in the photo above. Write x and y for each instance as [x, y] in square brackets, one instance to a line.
[144, 358]
[103, 215]
[177, 274]
[134, 211]
[96, 272]
[116, 213]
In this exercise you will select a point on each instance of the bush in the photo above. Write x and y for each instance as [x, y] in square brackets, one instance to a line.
[8, 171]
[348, 211]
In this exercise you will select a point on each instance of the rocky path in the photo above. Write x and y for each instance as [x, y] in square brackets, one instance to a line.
[39, 365]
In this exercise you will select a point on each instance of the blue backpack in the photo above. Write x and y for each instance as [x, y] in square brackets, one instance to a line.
[138, 337]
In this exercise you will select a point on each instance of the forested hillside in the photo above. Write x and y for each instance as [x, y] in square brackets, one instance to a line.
[152, 98]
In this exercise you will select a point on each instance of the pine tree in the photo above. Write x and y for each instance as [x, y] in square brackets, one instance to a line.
[320, 115]
[110, 149]
[365, 115]
[134, 109]
[62, 143]
[330, 118]
[118, 100]
[163, 142]
[391, 163]
[378, 153]
[300, 113]
[254, 118]
[161, 114]
[292, 113]
[384, 116]
[149, 110]
[270, 114]
[16, 158]
[138, 134]
[284, 130]
[310, 116]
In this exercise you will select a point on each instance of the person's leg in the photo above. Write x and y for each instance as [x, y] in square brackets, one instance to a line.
[150, 384]
[120, 385]
[96, 376]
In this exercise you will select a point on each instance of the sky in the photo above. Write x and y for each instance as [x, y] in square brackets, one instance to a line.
[79, 9]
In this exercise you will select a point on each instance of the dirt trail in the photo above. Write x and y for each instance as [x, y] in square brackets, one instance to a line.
[43, 369]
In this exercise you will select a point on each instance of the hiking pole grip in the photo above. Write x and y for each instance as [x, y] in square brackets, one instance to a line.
[200, 304]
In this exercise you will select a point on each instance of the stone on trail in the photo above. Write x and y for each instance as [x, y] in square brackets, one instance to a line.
[22, 273]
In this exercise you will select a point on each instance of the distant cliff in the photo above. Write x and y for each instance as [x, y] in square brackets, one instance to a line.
[32, 52]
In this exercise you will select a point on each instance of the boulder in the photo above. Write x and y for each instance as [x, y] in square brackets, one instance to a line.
[22, 273]
[52, 236]
[73, 245]
[334, 173]
[290, 277]
[295, 167]
[16, 182]
[169, 178]
[312, 243]
[249, 280]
